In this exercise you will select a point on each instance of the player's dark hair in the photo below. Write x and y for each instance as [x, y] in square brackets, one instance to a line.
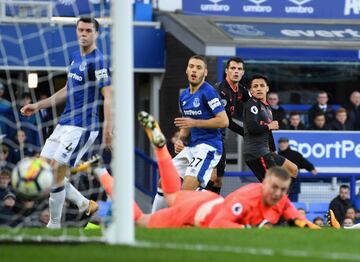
[199, 57]
[279, 172]
[319, 113]
[258, 76]
[294, 113]
[87, 19]
[234, 59]
[322, 92]
[344, 187]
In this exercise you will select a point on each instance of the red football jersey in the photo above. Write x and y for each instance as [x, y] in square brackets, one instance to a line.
[245, 207]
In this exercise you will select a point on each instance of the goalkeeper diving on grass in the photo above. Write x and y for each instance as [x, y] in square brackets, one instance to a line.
[254, 205]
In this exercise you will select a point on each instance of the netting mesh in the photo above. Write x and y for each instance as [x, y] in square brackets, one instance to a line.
[37, 38]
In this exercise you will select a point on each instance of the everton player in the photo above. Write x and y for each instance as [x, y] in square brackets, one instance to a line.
[203, 116]
[259, 145]
[88, 82]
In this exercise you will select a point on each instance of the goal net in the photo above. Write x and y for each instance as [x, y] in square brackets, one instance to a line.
[37, 45]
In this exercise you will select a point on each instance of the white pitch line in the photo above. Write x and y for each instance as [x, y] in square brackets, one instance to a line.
[250, 250]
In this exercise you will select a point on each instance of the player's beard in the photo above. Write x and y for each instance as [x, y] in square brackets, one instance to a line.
[197, 81]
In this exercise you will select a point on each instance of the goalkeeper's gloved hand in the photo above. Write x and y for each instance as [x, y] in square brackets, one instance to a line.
[303, 223]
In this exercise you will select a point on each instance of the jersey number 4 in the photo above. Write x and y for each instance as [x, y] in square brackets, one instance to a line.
[193, 160]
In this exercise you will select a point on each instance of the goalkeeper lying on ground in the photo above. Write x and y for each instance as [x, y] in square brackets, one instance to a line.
[254, 205]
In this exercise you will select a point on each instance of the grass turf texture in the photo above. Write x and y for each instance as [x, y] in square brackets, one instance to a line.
[194, 244]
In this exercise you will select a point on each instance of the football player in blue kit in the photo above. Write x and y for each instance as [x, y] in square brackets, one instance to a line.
[199, 146]
[88, 83]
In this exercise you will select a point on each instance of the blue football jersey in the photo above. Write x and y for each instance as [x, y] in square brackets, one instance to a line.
[203, 104]
[86, 76]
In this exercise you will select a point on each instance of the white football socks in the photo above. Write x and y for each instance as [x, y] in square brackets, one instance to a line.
[74, 196]
[159, 201]
[99, 171]
[56, 202]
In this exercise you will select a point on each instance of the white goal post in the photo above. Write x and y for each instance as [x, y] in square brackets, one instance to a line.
[121, 230]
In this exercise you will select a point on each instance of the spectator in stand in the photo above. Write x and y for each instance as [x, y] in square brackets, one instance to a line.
[7, 209]
[6, 114]
[299, 161]
[295, 122]
[353, 109]
[29, 124]
[5, 158]
[350, 213]
[341, 203]
[278, 112]
[319, 221]
[22, 148]
[341, 121]
[319, 122]
[321, 106]
[348, 222]
[5, 177]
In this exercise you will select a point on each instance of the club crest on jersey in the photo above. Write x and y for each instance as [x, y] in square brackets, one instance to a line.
[237, 208]
[254, 110]
[224, 102]
[196, 102]
[82, 66]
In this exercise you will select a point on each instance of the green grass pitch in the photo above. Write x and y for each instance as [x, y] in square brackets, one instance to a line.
[194, 244]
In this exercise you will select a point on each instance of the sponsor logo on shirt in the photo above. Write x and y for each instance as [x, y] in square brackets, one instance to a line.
[214, 103]
[257, 8]
[192, 112]
[101, 74]
[196, 102]
[299, 9]
[224, 102]
[75, 76]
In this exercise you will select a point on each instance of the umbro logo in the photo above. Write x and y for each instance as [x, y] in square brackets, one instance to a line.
[300, 2]
[257, 8]
[257, 2]
[299, 9]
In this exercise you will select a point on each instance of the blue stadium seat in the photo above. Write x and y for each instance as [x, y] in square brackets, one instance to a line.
[311, 216]
[104, 207]
[318, 207]
[301, 205]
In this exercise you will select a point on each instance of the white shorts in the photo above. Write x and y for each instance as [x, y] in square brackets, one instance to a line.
[197, 161]
[68, 144]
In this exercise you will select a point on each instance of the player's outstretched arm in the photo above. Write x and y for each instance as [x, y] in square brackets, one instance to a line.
[219, 121]
[107, 131]
[57, 98]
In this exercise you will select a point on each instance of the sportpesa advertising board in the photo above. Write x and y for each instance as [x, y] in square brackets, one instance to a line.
[326, 9]
[329, 151]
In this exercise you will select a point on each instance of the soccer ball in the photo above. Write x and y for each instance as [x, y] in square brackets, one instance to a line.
[32, 178]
